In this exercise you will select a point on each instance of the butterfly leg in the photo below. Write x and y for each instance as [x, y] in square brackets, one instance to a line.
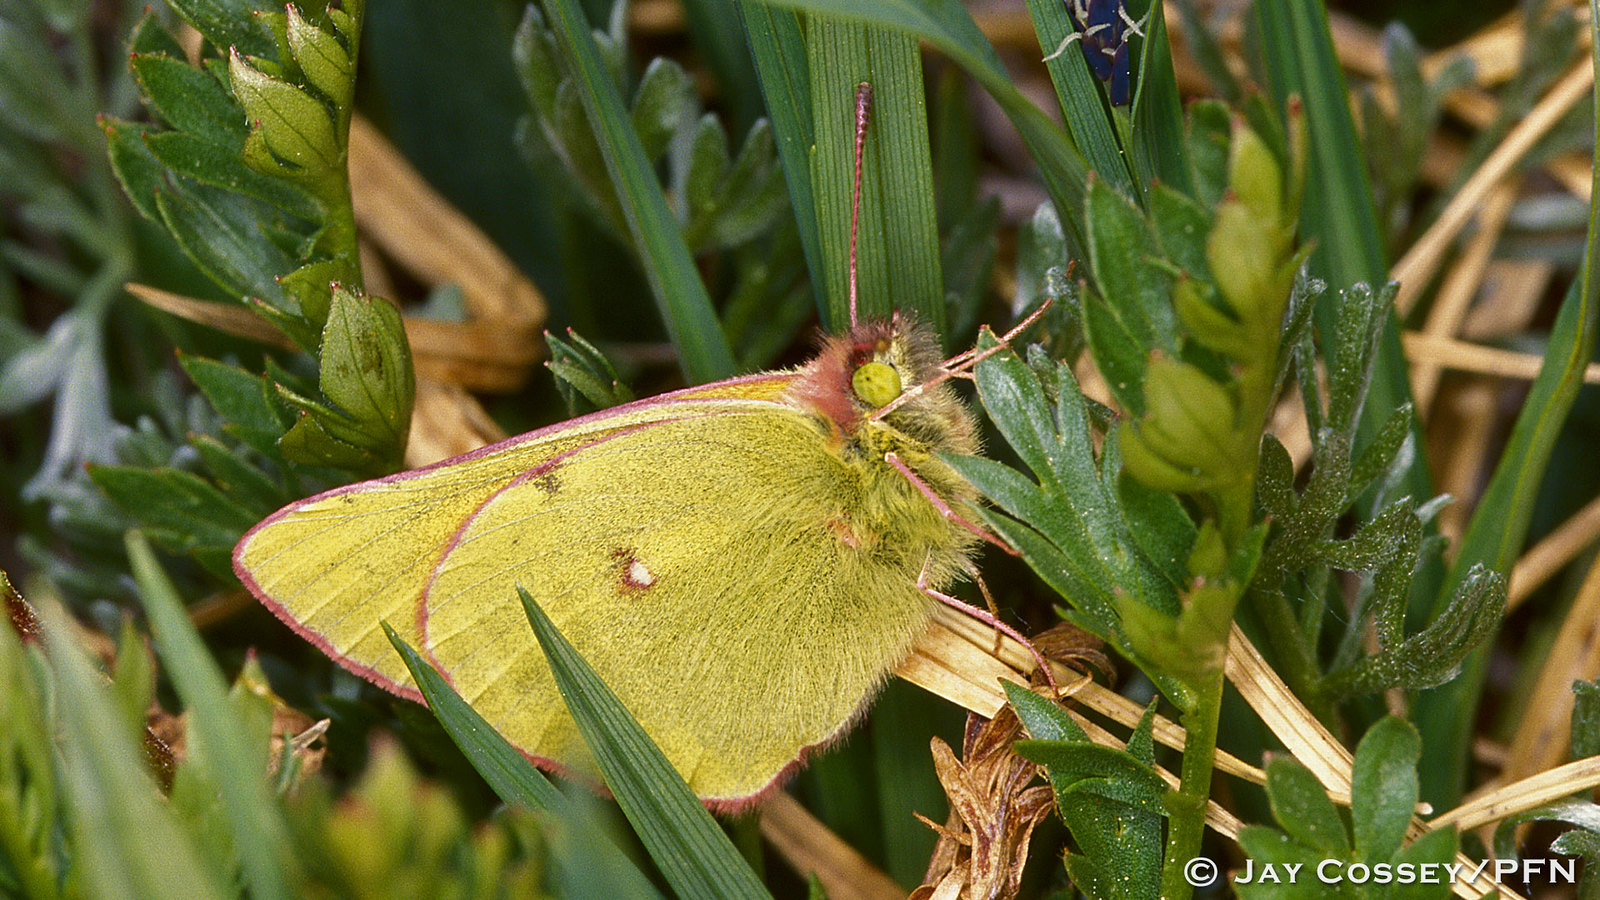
[993, 621]
[944, 509]
[988, 603]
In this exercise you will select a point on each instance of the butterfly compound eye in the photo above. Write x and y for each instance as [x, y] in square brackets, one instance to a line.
[876, 383]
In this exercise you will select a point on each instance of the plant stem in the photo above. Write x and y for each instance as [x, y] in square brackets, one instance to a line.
[1188, 804]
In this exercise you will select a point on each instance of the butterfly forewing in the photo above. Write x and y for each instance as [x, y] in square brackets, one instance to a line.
[706, 557]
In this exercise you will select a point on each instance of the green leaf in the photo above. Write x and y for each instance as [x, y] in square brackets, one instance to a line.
[222, 234]
[1269, 846]
[1585, 719]
[220, 166]
[1114, 826]
[185, 510]
[1301, 806]
[247, 485]
[292, 133]
[1044, 720]
[718, 34]
[580, 366]
[242, 399]
[1158, 110]
[730, 203]
[323, 59]
[189, 99]
[1436, 848]
[227, 23]
[1082, 99]
[1069, 762]
[663, 105]
[1499, 524]
[1337, 212]
[1383, 791]
[694, 855]
[366, 371]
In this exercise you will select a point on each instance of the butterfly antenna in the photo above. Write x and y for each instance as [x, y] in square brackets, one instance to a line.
[863, 110]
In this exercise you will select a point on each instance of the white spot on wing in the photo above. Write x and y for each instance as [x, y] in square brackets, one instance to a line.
[639, 575]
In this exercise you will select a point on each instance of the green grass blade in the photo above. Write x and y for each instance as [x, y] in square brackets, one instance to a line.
[1083, 105]
[703, 350]
[947, 25]
[266, 856]
[696, 857]
[1158, 133]
[1446, 715]
[1338, 211]
[899, 241]
[580, 846]
[779, 53]
[130, 844]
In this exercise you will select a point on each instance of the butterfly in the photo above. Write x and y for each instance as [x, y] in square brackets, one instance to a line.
[742, 562]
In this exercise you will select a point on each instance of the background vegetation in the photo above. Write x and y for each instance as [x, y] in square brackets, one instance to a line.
[1215, 214]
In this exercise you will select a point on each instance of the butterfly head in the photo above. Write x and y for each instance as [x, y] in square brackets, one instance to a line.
[860, 373]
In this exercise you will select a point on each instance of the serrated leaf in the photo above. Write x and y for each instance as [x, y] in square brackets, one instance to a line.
[149, 35]
[1121, 247]
[136, 169]
[1044, 720]
[317, 439]
[238, 479]
[1118, 352]
[1180, 225]
[221, 233]
[1069, 762]
[1112, 824]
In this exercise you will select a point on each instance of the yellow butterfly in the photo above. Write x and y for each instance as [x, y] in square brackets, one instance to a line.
[743, 562]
